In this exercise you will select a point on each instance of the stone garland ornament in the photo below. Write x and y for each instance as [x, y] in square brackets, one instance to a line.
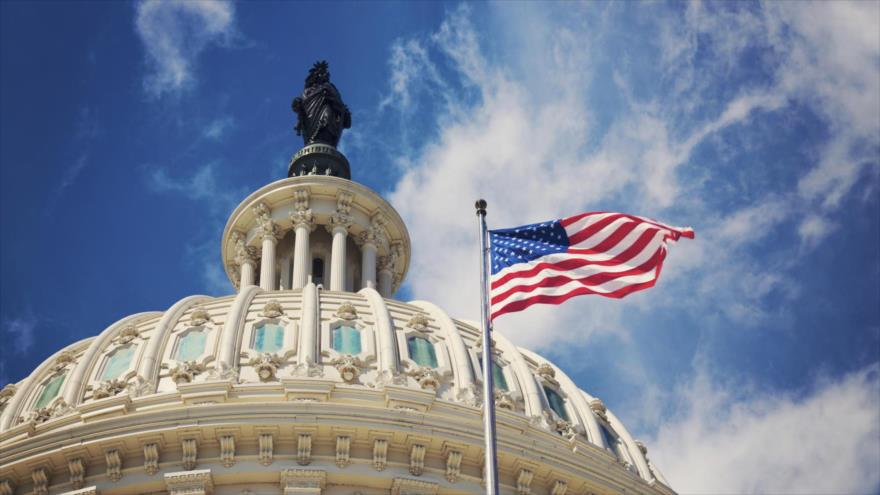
[108, 388]
[346, 311]
[185, 372]
[6, 395]
[266, 365]
[272, 309]
[128, 334]
[428, 378]
[419, 322]
[199, 317]
[349, 367]
[38, 416]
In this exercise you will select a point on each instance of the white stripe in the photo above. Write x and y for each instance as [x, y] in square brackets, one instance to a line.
[587, 221]
[605, 288]
[601, 235]
[584, 271]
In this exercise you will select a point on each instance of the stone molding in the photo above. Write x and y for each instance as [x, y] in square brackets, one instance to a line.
[199, 482]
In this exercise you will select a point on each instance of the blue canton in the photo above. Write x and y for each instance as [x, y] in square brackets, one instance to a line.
[524, 244]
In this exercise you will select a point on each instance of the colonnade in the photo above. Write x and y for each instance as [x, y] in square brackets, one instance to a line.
[377, 272]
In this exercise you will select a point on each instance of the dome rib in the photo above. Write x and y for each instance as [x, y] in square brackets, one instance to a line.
[631, 446]
[465, 381]
[308, 342]
[230, 339]
[73, 389]
[585, 414]
[388, 356]
[533, 404]
[149, 366]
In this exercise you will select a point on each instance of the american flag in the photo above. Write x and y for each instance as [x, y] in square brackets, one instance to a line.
[610, 254]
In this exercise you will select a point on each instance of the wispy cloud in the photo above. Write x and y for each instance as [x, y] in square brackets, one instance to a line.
[217, 128]
[73, 172]
[733, 439]
[174, 33]
[20, 332]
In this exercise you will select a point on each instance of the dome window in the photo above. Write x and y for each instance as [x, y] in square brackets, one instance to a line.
[190, 346]
[421, 350]
[346, 340]
[50, 391]
[268, 337]
[557, 403]
[118, 363]
[498, 379]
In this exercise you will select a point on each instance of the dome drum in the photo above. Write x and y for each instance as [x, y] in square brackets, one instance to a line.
[334, 231]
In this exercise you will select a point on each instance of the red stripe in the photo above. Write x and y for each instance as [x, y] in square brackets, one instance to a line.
[592, 229]
[565, 222]
[548, 299]
[572, 263]
[592, 280]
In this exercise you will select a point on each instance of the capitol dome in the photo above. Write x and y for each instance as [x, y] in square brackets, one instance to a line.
[311, 379]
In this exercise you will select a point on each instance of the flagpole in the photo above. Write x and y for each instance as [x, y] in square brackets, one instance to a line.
[491, 460]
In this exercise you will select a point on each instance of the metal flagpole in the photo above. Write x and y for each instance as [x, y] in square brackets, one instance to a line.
[491, 460]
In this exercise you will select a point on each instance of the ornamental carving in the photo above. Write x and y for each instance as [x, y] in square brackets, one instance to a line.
[6, 395]
[559, 488]
[419, 322]
[140, 386]
[346, 311]
[343, 451]
[417, 459]
[109, 388]
[599, 409]
[561, 426]
[227, 450]
[272, 309]
[129, 333]
[547, 372]
[268, 228]
[114, 464]
[266, 449]
[504, 400]
[375, 233]
[349, 367]
[190, 453]
[40, 478]
[342, 216]
[301, 216]
[199, 317]
[77, 470]
[242, 253]
[524, 482]
[58, 408]
[224, 372]
[380, 454]
[151, 458]
[266, 365]
[428, 378]
[453, 466]
[186, 371]
[65, 358]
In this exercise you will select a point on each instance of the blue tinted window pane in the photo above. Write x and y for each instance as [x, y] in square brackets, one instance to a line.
[191, 346]
[269, 337]
[498, 379]
[422, 352]
[557, 403]
[118, 363]
[610, 439]
[347, 340]
[50, 391]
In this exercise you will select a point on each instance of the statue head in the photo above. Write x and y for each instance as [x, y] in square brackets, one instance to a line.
[318, 74]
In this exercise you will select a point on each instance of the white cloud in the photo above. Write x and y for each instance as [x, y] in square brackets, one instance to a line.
[174, 33]
[73, 172]
[735, 440]
[217, 128]
[21, 332]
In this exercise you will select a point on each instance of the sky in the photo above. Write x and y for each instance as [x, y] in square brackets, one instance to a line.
[129, 132]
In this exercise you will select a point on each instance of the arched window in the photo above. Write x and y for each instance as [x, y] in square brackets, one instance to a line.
[557, 403]
[50, 391]
[610, 439]
[346, 340]
[191, 346]
[268, 337]
[118, 363]
[498, 379]
[318, 271]
[421, 350]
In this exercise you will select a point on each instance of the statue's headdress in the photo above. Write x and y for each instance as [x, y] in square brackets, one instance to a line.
[318, 74]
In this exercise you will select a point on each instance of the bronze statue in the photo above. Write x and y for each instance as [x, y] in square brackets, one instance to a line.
[321, 113]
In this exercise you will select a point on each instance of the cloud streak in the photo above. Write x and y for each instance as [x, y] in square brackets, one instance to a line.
[174, 33]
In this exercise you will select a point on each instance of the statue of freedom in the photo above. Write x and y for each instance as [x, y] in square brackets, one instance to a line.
[321, 113]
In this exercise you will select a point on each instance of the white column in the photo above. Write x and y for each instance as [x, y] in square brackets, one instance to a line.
[337, 257]
[301, 266]
[303, 224]
[368, 264]
[386, 277]
[248, 267]
[267, 264]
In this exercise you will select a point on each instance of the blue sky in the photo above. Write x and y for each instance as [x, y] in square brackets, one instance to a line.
[129, 131]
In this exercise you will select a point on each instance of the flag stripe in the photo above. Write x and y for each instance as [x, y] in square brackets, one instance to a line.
[605, 253]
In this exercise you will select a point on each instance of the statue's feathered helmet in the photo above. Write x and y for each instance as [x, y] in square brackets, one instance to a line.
[318, 74]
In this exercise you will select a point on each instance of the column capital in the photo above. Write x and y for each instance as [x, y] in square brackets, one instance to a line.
[339, 220]
[268, 227]
[390, 261]
[301, 216]
[375, 234]
[242, 253]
